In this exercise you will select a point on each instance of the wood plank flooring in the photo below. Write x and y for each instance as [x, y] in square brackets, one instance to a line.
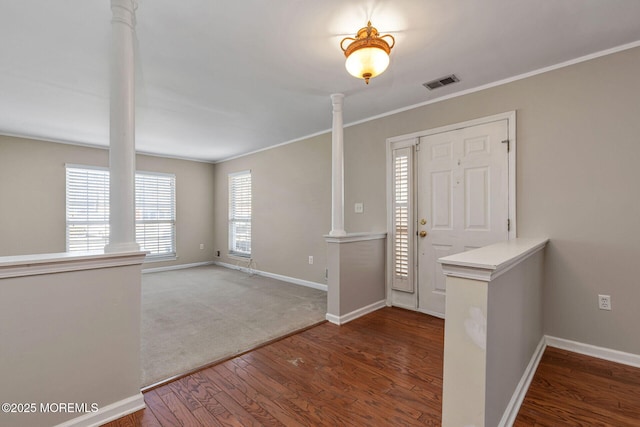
[571, 389]
[383, 369]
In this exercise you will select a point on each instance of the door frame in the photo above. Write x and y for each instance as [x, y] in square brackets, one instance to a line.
[410, 300]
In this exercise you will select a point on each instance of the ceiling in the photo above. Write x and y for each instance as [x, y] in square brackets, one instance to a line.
[217, 79]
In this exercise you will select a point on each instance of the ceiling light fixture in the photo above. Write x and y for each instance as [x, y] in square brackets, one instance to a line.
[368, 53]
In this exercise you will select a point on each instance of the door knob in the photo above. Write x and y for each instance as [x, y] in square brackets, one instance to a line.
[423, 233]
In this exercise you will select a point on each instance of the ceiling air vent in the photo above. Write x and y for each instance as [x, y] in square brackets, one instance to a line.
[443, 81]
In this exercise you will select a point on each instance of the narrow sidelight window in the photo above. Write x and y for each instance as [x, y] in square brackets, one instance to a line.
[402, 228]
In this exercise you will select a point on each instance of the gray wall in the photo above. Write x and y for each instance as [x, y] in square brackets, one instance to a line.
[32, 198]
[578, 136]
[291, 207]
[514, 331]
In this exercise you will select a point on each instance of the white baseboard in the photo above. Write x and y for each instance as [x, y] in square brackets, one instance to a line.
[595, 351]
[108, 413]
[333, 318]
[301, 282]
[341, 320]
[513, 407]
[176, 267]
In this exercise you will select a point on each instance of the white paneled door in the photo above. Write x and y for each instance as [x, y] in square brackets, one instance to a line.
[462, 200]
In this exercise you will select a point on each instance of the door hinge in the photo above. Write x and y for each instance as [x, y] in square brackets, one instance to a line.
[418, 145]
[508, 225]
[506, 141]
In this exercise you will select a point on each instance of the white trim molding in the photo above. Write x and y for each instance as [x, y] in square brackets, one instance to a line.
[341, 320]
[355, 237]
[509, 116]
[295, 281]
[411, 140]
[617, 356]
[458, 94]
[108, 413]
[177, 267]
[33, 265]
[513, 407]
[101, 145]
[489, 262]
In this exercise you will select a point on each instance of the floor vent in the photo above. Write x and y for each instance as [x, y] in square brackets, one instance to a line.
[443, 81]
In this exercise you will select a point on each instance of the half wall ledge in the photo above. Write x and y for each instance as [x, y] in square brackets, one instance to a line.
[489, 262]
[32, 265]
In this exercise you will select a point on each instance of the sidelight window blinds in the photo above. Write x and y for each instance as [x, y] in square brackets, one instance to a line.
[402, 219]
[240, 213]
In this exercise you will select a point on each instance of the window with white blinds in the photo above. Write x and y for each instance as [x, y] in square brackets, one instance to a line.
[240, 213]
[402, 219]
[88, 210]
[156, 213]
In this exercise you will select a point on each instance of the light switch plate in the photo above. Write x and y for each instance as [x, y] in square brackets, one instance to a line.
[359, 207]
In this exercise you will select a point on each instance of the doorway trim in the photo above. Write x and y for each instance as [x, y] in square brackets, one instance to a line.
[411, 140]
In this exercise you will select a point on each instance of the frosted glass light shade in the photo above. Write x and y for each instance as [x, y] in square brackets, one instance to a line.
[367, 62]
[368, 53]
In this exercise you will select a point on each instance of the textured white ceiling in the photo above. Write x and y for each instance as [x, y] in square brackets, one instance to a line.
[216, 79]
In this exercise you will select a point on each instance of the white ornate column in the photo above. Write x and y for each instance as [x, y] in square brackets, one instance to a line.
[337, 168]
[122, 155]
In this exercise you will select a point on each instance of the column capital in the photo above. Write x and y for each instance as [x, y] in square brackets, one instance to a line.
[337, 100]
[124, 12]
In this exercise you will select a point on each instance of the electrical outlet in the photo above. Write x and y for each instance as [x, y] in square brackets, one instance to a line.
[201, 245]
[604, 302]
[310, 259]
[359, 207]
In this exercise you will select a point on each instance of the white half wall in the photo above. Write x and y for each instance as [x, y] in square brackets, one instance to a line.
[356, 279]
[493, 330]
[70, 333]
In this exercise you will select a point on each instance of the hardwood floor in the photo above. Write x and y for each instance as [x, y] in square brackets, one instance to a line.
[383, 369]
[570, 389]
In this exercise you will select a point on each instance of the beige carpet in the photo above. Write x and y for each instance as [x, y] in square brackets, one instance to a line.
[196, 316]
